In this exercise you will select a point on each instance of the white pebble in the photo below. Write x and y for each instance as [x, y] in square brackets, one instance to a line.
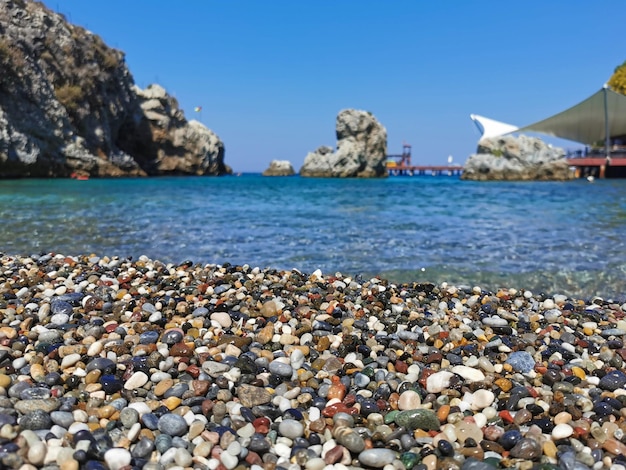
[70, 360]
[482, 398]
[439, 381]
[409, 400]
[138, 379]
[469, 373]
[117, 458]
[229, 461]
[562, 431]
[222, 318]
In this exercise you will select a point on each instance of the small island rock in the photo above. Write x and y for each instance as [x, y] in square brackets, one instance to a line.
[279, 168]
[361, 149]
[520, 158]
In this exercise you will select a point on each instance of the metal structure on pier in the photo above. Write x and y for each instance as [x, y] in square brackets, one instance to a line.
[400, 164]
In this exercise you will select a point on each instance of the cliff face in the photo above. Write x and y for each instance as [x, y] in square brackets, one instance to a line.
[68, 103]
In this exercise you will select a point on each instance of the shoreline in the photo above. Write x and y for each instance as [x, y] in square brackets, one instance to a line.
[112, 363]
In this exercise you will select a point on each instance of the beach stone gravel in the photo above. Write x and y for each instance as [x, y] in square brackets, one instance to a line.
[163, 365]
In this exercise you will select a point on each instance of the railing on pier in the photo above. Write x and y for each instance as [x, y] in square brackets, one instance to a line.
[414, 170]
[401, 165]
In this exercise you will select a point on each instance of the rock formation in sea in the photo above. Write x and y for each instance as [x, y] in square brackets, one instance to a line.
[68, 104]
[361, 149]
[520, 158]
[279, 168]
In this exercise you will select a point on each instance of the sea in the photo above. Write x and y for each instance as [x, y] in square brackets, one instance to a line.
[547, 237]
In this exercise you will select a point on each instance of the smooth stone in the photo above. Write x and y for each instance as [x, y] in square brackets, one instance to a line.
[104, 364]
[128, 417]
[173, 425]
[612, 381]
[470, 374]
[111, 384]
[351, 440]
[527, 449]
[562, 431]
[148, 337]
[281, 369]
[183, 458]
[117, 458]
[143, 448]
[163, 443]
[137, 380]
[63, 418]
[37, 453]
[172, 336]
[222, 318]
[482, 399]
[409, 400]
[291, 428]
[61, 307]
[377, 458]
[418, 419]
[475, 464]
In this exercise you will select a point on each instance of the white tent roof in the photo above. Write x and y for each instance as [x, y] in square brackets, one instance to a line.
[585, 122]
[491, 128]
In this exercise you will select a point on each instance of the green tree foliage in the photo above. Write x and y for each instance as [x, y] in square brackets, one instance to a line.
[618, 81]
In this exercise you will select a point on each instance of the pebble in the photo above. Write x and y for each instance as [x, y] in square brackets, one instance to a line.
[377, 458]
[172, 425]
[159, 365]
[117, 458]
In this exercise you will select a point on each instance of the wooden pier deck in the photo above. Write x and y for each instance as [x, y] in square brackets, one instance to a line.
[435, 170]
[599, 167]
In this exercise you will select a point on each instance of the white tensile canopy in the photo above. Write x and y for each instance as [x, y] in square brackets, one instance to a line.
[596, 119]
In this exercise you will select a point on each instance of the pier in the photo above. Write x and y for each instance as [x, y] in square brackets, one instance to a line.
[596, 163]
[400, 165]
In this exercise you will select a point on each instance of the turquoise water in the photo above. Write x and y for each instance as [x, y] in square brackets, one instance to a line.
[555, 237]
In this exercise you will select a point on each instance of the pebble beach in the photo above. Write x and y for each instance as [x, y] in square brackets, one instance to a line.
[113, 363]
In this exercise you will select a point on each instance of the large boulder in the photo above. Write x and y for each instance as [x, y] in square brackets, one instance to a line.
[68, 104]
[279, 168]
[520, 158]
[361, 149]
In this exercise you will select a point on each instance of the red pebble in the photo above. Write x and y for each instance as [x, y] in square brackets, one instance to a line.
[193, 370]
[401, 367]
[207, 406]
[261, 425]
[506, 416]
[254, 459]
[350, 399]
[335, 408]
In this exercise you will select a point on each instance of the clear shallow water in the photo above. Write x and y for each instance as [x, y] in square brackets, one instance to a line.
[555, 237]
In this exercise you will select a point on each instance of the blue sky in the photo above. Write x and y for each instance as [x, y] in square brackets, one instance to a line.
[272, 75]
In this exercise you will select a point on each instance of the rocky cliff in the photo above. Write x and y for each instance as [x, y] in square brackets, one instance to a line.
[361, 149]
[68, 104]
[516, 158]
[279, 168]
